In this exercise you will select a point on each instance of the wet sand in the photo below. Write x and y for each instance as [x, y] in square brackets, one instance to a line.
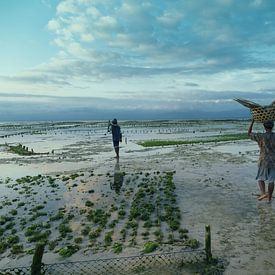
[215, 185]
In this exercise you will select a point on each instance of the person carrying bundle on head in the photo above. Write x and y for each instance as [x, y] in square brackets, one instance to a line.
[116, 135]
[266, 164]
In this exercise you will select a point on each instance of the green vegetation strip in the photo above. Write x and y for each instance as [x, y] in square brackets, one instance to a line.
[20, 150]
[218, 138]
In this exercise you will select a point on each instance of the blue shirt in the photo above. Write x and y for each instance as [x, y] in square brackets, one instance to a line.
[116, 132]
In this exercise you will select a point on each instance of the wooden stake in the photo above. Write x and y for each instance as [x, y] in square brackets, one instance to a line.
[37, 259]
[208, 243]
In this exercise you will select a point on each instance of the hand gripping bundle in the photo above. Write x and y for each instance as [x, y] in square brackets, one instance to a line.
[258, 112]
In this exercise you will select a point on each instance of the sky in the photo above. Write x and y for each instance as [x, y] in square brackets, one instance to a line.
[153, 59]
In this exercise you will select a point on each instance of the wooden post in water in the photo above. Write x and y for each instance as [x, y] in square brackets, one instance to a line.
[208, 243]
[37, 259]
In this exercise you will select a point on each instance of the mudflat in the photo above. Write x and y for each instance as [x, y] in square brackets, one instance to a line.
[84, 202]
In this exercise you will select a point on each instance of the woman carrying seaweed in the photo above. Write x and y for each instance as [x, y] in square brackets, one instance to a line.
[266, 163]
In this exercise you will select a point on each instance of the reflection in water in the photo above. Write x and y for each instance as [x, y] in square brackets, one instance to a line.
[118, 179]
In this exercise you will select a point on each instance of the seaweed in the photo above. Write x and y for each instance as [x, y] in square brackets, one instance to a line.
[150, 247]
[17, 249]
[68, 250]
[64, 229]
[117, 247]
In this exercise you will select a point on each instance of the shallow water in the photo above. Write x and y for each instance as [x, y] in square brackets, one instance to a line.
[79, 145]
[246, 148]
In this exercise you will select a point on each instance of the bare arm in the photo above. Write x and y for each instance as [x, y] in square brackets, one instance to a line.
[109, 125]
[250, 127]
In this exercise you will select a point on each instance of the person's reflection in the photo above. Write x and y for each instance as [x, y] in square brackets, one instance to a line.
[118, 178]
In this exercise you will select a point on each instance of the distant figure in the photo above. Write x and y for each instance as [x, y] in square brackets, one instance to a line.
[116, 135]
[266, 164]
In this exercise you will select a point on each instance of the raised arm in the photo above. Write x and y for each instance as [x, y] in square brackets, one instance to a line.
[109, 125]
[250, 127]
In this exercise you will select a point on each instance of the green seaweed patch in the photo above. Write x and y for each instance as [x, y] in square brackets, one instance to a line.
[65, 178]
[38, 207]
[14, 212]
[37, 214]
[89, 204]
[82, 211]
[58, 216]
[64, 229]
[20, 150]
[12, 239]
[108, 238]
[95, 234]
[150, 247]
[78, 240]
[117, 247]
[74, 176]
[121, 213]
[183, 233]
[52, 244]
[20, 204]
[35, 232]
[68, 250]
[98, 216]
[192, 243]
[9, 225]
[217, 138]
[3, 246]
[6, 203]
[51, 181]
[159, 235]
[113, 223]
[30, 179]
[17, 249]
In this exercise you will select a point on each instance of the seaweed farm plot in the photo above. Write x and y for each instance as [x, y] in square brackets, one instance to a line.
[146, 214]
[87, 213]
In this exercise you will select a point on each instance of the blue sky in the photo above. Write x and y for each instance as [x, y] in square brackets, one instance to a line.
[135, 59]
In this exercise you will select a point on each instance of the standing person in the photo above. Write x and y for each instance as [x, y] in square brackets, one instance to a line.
[266, 163]
[116, 135]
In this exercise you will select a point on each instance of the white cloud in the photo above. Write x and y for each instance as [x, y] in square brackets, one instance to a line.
[86, 37]
[67, 6]
[75, 49]
[156, 49]
[53, 25]
[171, 18]
[93, 12]
[106, 22]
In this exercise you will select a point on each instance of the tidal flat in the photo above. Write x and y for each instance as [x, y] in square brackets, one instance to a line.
[73, 194]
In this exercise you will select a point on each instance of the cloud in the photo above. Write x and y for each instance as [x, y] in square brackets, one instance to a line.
[125, 39]
[190, 84]
[195, 105]
[171, 51]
